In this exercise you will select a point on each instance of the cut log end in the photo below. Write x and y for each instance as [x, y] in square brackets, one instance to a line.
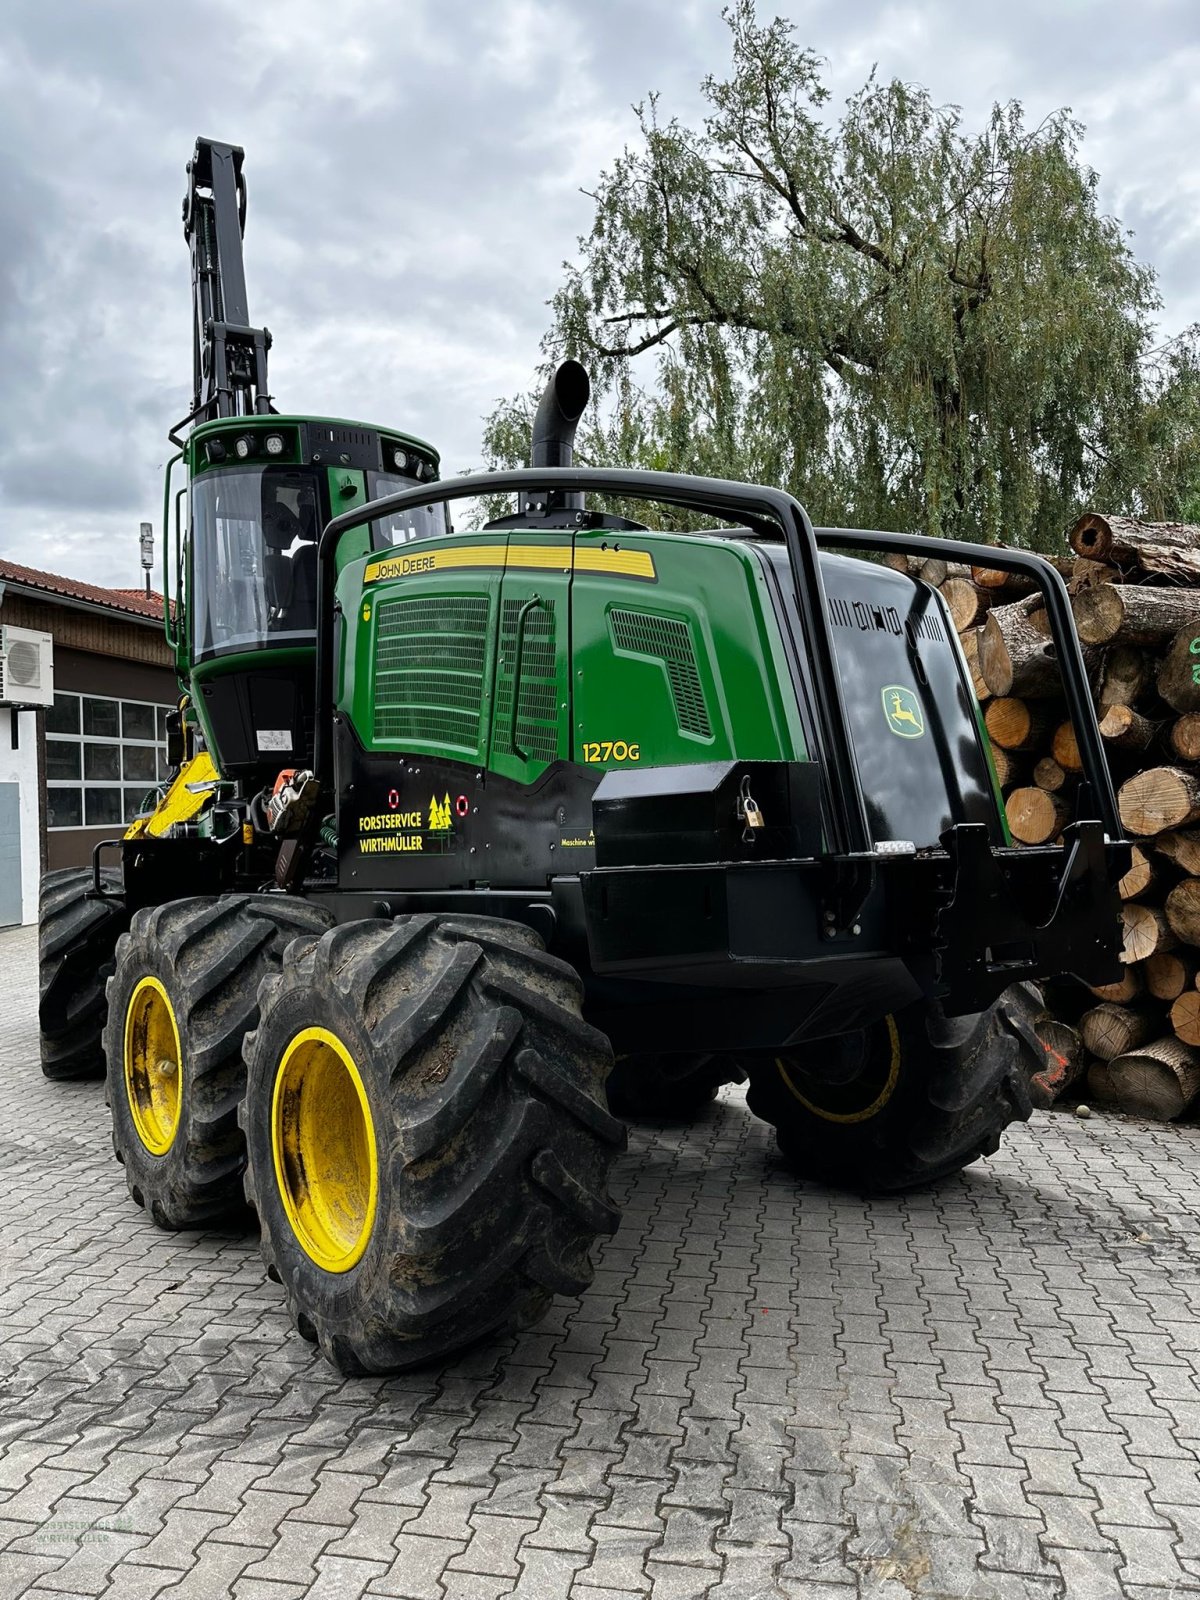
[1158, 1080]
[1035, 816]
[1159, 798]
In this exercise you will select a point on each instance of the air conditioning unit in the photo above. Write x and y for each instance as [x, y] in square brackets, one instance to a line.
[26, 668]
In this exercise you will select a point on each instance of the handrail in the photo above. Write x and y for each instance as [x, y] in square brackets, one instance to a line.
[169, 628]
[1062, 628]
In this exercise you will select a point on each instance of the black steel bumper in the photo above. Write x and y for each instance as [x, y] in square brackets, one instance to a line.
[963, 922]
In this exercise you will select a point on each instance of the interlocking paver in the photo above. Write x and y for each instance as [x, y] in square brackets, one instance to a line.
[989, 1391]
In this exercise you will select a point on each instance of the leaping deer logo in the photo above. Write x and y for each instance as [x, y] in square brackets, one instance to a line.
[903, 711]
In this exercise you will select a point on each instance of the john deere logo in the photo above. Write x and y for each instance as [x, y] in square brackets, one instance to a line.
[903, 711]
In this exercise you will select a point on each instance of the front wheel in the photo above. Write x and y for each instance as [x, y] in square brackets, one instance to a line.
[898, 1105]
[428, 1142]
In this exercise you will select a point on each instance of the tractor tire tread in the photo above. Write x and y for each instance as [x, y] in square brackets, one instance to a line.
[213, 952]
[77, 937]
[948, 1111]
[494, 1141]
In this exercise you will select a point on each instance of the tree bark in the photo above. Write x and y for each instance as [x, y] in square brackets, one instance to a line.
[1159, 798]
[1035, 816]
[1112, 538]
[1179, 672]
[1085, 573]
[1014, 658]
[1014, 724]
[1146, 930]
[1126, 728]
[1169, 973]
[1158, 1080]
[1124, 674]
[1114, 613]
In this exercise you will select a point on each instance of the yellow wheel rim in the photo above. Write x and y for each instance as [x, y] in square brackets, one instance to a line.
[153, 1066]
[323, 1144]
[864, 1113]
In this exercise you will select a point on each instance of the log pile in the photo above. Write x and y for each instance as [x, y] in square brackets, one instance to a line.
[1135, 593]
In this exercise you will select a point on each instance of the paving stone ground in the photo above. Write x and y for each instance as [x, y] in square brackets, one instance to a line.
[985, 1392]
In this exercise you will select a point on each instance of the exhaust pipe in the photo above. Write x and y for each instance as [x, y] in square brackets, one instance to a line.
[558, 413]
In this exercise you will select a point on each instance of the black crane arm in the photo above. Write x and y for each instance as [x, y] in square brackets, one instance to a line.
[229, 356]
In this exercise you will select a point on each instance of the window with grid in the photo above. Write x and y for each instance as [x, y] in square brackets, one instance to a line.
[103, 759]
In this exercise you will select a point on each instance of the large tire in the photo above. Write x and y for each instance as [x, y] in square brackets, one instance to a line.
[900, 1105]
[428, 1142]
[200, 963]
[668, 1088]
[77, 936]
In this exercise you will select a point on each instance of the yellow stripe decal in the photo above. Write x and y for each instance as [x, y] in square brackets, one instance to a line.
[523, 557]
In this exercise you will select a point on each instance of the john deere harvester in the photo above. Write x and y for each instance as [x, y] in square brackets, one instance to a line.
[479, 814]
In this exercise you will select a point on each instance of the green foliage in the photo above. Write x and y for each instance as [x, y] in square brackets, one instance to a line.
[905, 323]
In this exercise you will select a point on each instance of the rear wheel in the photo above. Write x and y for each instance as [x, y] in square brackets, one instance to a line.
[77, 934]
[183, 995]
[669, 1087]
[898, 1105]
[428, 1142]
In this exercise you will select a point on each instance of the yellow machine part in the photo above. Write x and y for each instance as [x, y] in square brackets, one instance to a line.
[179, 804]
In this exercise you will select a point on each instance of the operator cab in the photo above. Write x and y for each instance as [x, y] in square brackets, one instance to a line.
[262, 489]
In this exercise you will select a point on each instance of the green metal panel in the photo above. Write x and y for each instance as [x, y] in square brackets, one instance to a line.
[431, 664]
[682, 668]
[531, 725]
[662, 649]
[418, 656]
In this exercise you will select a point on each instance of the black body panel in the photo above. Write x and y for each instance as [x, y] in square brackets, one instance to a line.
[264, 705]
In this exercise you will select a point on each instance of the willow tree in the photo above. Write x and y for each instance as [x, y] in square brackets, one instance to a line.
[905, 322]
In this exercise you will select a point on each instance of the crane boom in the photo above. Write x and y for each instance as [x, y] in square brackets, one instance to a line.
[229, 356]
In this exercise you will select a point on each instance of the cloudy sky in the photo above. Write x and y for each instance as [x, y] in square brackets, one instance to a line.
[414, 174]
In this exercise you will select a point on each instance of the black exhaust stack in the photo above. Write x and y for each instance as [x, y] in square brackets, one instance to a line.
[558, 413]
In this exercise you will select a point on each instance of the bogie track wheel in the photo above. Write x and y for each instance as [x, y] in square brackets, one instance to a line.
[183, 995]
[428, 1141]
[898, 1105]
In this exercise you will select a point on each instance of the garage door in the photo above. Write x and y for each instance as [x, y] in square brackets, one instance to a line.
[10, 854]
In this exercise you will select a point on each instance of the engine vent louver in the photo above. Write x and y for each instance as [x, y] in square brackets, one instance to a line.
[668, 640]
[430, 659]
[537, 706]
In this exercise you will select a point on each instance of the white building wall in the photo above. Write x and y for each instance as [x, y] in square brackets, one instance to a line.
[19, 766]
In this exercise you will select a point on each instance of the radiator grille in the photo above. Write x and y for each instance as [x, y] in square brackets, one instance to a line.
[430, 658]
[668, 640]
[537, 706]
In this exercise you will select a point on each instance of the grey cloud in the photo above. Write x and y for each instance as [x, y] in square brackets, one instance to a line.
[414, 175]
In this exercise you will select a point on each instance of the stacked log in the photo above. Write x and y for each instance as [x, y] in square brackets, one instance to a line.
[1135, 595]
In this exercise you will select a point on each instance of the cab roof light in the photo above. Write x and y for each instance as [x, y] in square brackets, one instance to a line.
[214, 449]
[243, 446]
[274, 444]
